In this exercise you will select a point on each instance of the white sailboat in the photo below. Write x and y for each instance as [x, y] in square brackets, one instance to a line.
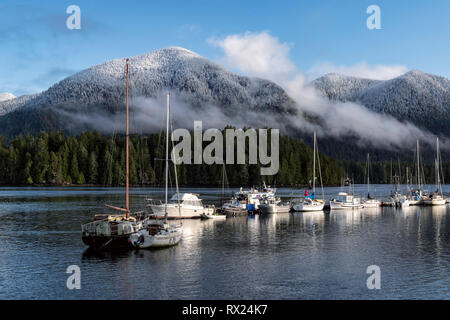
[370, 202]
[399, 199]
[346, 201]
[218, 214]
[156, 233]
[436, 199]
[310, 203]
[416, 197]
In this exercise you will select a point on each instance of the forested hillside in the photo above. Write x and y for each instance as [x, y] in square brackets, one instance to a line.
[92, 158]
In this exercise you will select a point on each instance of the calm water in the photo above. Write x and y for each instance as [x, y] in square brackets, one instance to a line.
[285, 256]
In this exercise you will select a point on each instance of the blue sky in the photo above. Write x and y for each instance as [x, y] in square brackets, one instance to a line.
[36, 48]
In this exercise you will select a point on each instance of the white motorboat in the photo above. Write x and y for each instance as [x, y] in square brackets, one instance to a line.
[370, 202]
[309, 202]
[274, 205]
[251, 199]
[346, 201]
[157, 234]
[181, 206]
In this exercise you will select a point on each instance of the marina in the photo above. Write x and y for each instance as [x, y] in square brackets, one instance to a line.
[309, 255]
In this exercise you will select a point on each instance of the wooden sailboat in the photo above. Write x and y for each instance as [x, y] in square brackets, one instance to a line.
[310, 203]
[158, 233]
[370, 202]
[436, 199]
[113, 231]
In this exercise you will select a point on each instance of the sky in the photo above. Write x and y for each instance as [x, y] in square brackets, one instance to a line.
[316, 37]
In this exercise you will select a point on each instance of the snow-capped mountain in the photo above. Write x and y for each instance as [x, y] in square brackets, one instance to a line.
[4, 105]
[418, 97]
[6, 96]
[199, 83]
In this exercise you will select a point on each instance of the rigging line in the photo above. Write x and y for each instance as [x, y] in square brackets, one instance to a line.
[320, 173]
[175, 167]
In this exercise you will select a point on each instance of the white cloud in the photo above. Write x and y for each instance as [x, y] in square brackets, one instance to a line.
[360, 70]
[256, 54]
[263, 55]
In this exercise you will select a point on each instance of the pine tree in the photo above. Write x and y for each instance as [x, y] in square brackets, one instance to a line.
[93, 169]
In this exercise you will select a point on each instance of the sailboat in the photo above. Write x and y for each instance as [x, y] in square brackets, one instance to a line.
[310, 203]
[158, 233]
[370, 202]
[416, 197]
[217, 215]
[113, 231]
[436, 199]
[399, 199]
[345, 201]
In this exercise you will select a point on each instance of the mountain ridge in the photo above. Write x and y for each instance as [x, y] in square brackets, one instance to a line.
[101, 88]
[418, 97]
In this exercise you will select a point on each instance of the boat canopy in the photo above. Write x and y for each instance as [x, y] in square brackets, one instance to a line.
[185, 196]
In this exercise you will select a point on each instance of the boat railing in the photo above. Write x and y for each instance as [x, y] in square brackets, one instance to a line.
[91, 227]
[154, 202]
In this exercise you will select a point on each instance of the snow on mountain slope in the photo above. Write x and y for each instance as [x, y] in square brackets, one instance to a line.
[6, 96]
[9, 105]
[199, 83]
[418, 97]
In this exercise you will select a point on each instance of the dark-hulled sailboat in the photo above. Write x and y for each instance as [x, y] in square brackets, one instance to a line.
[113, 231]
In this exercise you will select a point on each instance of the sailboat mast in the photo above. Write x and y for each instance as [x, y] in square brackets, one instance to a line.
[223, 183]
[314, 165]
[418, 166]
[438, 165]
[128, 142]
[167, 153]
[391, 175]
[368, 171]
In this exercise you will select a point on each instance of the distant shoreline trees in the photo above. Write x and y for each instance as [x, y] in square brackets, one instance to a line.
[91, 158]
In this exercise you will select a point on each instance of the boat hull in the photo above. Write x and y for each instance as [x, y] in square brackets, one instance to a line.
[116, 242]
[415, 202]
[370, 204]
[434, 202]
[335, 205]
[185, 213]
[214, 216]
[143, 240]
[273, 209]
[308, 207]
